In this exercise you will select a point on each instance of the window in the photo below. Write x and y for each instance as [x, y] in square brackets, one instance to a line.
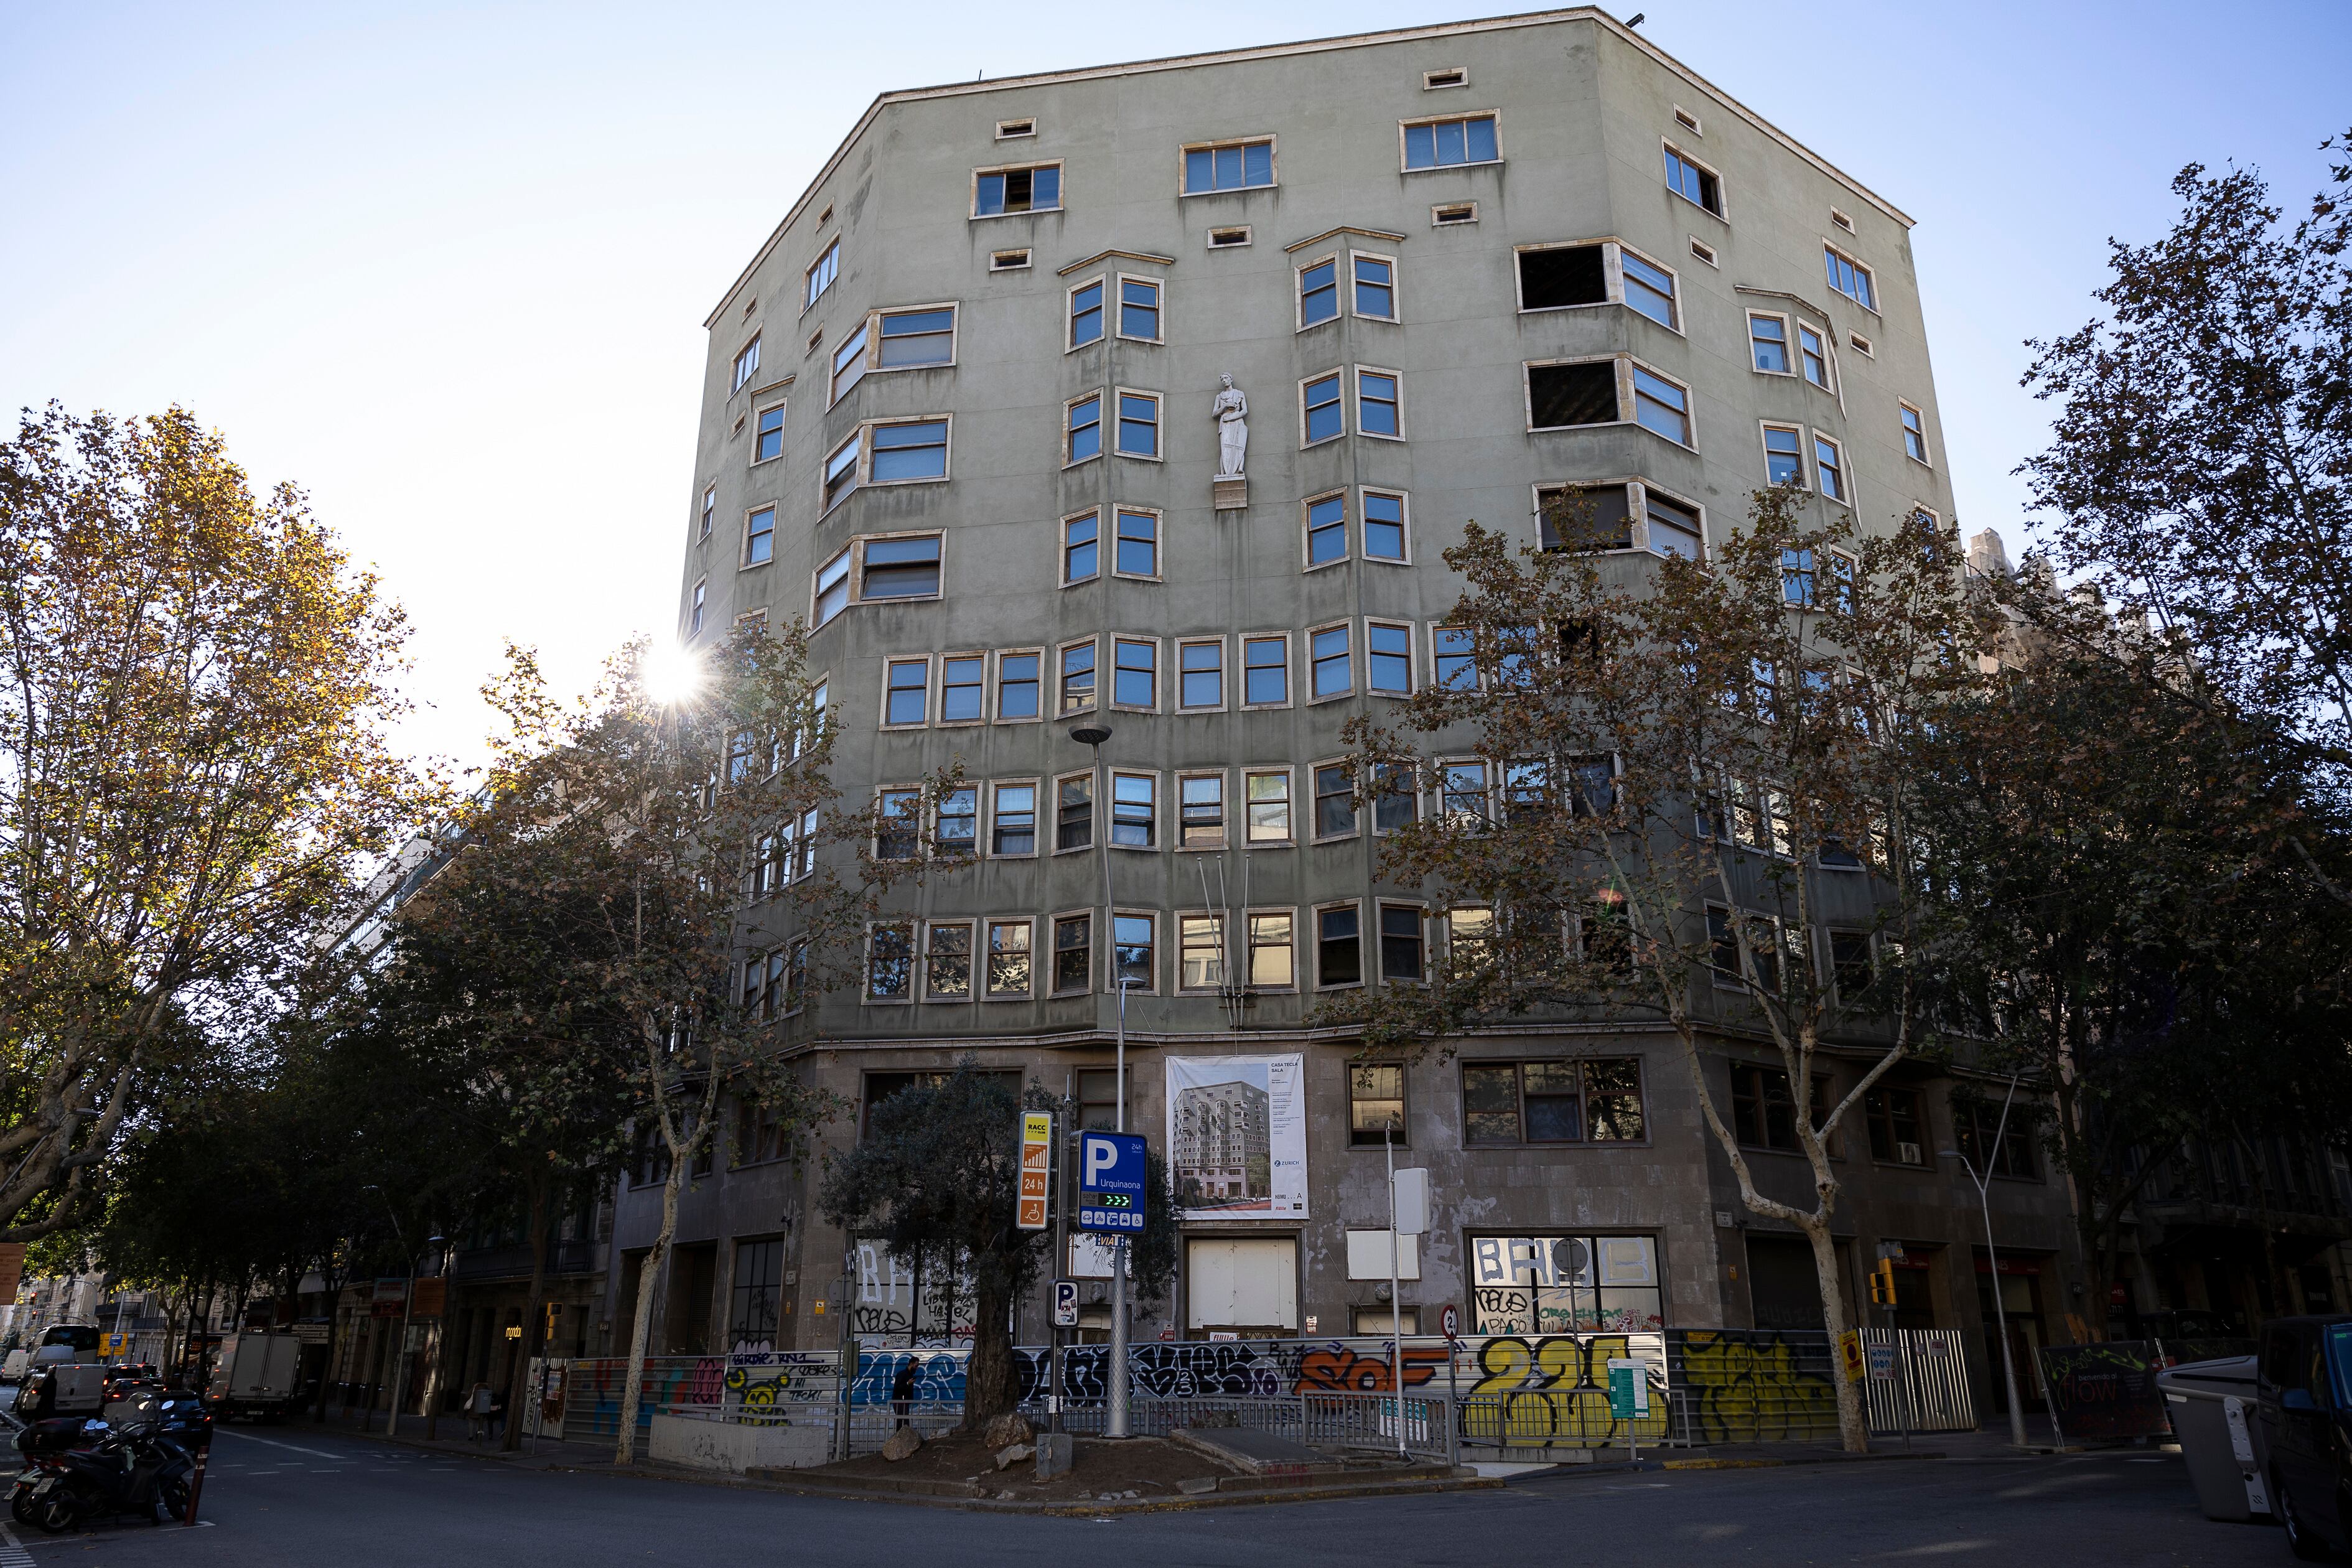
[1458, 213]
[1134, 961]
[1560, 395]
[1098, 1098]
[1265, 672]
[1226, 238]
[900, 568]
[1915, 433]
[1138, 550]
[1268, 806]
[1762, 931]
[1330, 672]
[849, 364]
[1081, 552]
[1974, 1123]
[1376, 404]
[833, 588]
[1326, 530]
[1272, 962]
[1073, 956]
[1584, 517]
[1784, 461]
[1318, 292]
[1388, 658]
[1674, 527]
[956, 833]
[1841, 220]
[1813, 356]
[746, 364]
[1139, 310]
[1135, 811]
[1339, 947]
[906, 690]
[1767, 343]
[1374, 1103]
[1661, 406]
[1200, 952]
[1037, 189]
[1861, 345]
[1572, 1101]
[1850, 277]
[1237, 166]
[1323, 416]
[1084, 439]
[841, 468]
[1016, 685]
[1073, 813]
[1693, 184]
[1139, 425]
[1375, 287]
[1135, 673]
[823, 272]
[1443, 143]
[1087, 314]
[709, 509]
[1008, 261]
[759, 1131]
[1008, 129]
[1797, 578]
[1201, 812]
[1396, 797]
[963, 688]
[914, 338]
[1078, 679]
[889, 963]
[1830, 466]
[768, 435]
[1648, 289]
[1335, 802]
[1462, 799]
[947, 962]
[1431, 80]
[1403, 947]
[760, 537]
[1454, 654]
[1384, 527]
[1557, 276]
[1703, 250]
[758, 1270]
[915, 451]
[1763, 1112]
[1008, 958]
[1899, 1126]
[1012, 820]
[1201, 675]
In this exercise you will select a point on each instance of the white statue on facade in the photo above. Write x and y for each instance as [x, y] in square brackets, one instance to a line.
[1231, 412]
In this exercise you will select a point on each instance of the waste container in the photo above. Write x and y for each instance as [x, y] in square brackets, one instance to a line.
[2211, 1403]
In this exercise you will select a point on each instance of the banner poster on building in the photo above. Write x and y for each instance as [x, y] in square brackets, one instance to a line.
[1237, 1137]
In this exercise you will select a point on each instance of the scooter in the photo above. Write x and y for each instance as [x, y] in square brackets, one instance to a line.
[132, 1471]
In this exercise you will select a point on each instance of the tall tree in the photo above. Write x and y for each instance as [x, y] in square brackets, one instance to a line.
[1685, 773]
[193, 692]
[937, 1173]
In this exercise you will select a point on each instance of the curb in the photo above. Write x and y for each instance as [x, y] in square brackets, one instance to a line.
[1101, 1509]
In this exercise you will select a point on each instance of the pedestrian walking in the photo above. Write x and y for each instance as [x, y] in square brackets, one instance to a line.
[478, 1412]
[902, 1390]
[498, 1414]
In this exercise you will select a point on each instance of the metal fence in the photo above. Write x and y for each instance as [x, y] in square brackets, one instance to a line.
[1929, 1391]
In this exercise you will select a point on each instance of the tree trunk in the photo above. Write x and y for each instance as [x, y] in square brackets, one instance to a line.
[991, 1387]
[624, 1443]
[519, 1381]
[1854, 1417]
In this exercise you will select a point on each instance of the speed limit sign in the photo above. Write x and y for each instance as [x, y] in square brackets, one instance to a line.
[1449, 1321]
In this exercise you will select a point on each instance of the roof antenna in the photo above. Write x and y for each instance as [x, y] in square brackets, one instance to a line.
[1636, 21]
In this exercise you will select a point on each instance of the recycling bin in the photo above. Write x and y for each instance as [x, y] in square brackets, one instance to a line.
[2211, 1403]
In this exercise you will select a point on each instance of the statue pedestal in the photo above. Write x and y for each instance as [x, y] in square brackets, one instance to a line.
[1229, 492]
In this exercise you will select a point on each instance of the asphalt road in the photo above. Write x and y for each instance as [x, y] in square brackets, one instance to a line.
[292, 1498]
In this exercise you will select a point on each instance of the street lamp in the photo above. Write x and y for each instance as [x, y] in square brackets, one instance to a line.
[1992, 1261]
[407, 1314]
[1091, 734]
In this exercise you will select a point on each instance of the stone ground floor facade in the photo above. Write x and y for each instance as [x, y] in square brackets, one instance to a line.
[1575, 1183]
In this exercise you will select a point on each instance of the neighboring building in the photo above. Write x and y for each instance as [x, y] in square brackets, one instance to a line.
[969, 412]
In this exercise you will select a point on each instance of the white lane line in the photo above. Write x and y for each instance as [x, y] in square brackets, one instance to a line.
[12, 1552]
[272, 1443]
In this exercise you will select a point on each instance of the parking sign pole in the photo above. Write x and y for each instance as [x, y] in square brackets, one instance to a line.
[1115, 1417]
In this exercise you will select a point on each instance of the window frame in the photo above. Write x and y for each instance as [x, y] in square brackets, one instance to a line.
[1584, 1094]
[1830, 248]
[1438, 633]
[941, 680]
[891, 663]
[996, 686]
[1159, 542]
[1612, 286]
[863, 438]
[744, 561]
[1403, 499]
[1110, 970]
[1225, 951]
[1224, 811]
[1145, 640]
[1298, 293]
[1843, 496]
[852, 557]
[872, 329]
[1637, 368]
[1315, 798]
[1183, 704]
[1053, 809]
[1356, 387]
[1053, 924]
[912, 957]
[1288, 773]
[708, 517]
[1915, 425]
[971, 207]
[759, 412]
[1829, 380]
[1804, 479]
[1156, 839]
[971, 980]
[1090, 515]
[1363, 970]
[1438, 218]
[813, 289]
[1070, 344]
[1307, 531]
[1379, 938]
[1411, 667]
[1346, 628]
[1250, 947]
[1883, 1119]
[743, 366]
[1289, 672]
[1038, 802]
[1494, 117]
[1721, 211]
[1788, 343]
[1395, 283]
[1070, 429]
[1060, 675]
[1159, 287]
[1618, 378]
[985, 986]
[696, 606]
[1337, 376]
[1159, 452]
[1616, 251]
[1273, 164]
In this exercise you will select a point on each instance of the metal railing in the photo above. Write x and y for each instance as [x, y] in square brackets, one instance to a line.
[1929, 1391]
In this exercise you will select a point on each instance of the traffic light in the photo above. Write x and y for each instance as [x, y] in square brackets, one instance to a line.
[1881, 1283]
[554, 1310]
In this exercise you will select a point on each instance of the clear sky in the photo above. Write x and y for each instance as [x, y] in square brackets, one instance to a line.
[446, 267]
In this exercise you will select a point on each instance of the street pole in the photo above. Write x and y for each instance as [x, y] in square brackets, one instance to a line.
[1061, 1245]
[407, 1310]
[1992, 1262]
[1396, 1295]
[1115, 1416]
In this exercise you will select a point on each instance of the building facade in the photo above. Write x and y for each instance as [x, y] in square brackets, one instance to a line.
[1151, 395]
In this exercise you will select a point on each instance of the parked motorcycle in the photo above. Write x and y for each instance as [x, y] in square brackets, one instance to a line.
[69, 1478]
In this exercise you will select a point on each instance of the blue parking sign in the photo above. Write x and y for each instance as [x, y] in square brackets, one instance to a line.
[1110, 1182]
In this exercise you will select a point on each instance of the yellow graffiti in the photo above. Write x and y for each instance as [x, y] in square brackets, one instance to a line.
[1553, 1393]
[1744, 1389]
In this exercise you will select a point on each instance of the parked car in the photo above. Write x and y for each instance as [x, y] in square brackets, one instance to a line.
[2304, 1382]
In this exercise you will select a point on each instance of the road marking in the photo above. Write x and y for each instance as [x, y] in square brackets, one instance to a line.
[12, 1551]
[272, 1443]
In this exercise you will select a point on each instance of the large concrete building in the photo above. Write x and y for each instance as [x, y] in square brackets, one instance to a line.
[966, 412]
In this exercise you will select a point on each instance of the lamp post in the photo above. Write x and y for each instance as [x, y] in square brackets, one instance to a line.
[1992, 1261]
[407, 1313]
[1091, 734]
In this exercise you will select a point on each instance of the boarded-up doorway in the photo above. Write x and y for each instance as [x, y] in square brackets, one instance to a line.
[1242, 1284]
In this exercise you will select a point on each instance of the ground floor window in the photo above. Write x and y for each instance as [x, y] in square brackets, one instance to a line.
[751, 1313]
[1242, 1284]
[1550, 1284]
[918, 1302]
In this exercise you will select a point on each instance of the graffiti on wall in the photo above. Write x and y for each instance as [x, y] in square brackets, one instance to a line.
[1552, 1391]
[1757, 1385]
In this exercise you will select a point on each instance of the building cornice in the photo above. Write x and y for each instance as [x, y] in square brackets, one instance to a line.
[1282, 51]
[1148, 258]
[1344, 228]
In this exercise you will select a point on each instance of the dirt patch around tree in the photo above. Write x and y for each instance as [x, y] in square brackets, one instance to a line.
[1150, 1468]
